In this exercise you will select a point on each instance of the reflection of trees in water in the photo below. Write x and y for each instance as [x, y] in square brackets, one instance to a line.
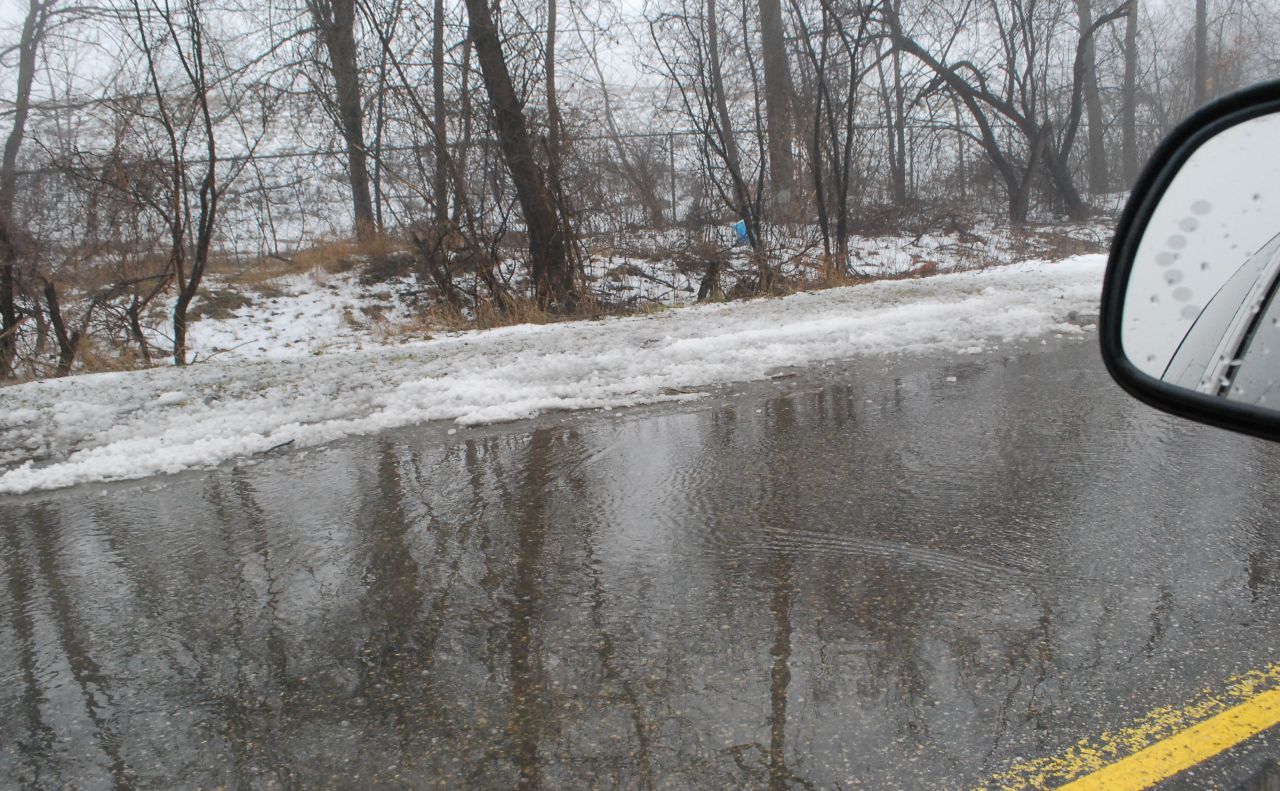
[35, 744]
[41, 572]
[780, 776]
[390, 655]
[524, 603]
[472, 622]
[759, 481]
[72, 636]
[777, 508]
[883, 624]
[243, 671]
[617, 685]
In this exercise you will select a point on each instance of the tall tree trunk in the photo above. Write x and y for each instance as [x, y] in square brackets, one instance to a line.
[554, 133]
[68, 342]
[1060, 176]
[893, 100]
[1097, 153]
[1201, 76]
[728, 141]
[1082, 83]
[208, 194]
[441, 185]
[548, 248]
[778, 101]
[380, 117]
[335, 19]
[893, 97]
[899, 130]
[639, 181]
[32, 33]
[1129, 98]
[134, 314]
[436, 254]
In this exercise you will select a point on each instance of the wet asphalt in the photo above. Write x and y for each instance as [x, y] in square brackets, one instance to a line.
[890, 573]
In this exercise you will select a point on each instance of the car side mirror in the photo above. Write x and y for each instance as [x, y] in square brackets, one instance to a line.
[1190, 319]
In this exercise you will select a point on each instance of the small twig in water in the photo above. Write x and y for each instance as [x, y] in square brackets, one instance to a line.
[197, 359]
[278, 447]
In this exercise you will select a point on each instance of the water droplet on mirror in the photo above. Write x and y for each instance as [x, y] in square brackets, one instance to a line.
[1182, 294]
[1204, 266]
[1177, 242]
[1257, 196]
[1189, 224]
[1166, 258]
[1190, 312]
[1201, 207]
[1173, 276]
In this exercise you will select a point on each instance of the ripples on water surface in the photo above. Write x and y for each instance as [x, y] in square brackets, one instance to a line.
[882, 576]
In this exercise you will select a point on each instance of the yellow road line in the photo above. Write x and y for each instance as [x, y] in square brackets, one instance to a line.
[1178, 753]
[1166, 741]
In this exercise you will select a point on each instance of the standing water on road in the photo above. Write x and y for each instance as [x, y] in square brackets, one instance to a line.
[896, 574]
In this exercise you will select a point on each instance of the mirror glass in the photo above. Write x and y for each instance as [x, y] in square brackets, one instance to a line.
[1201, 310]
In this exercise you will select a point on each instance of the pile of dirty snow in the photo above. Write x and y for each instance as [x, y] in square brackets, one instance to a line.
[116, 426]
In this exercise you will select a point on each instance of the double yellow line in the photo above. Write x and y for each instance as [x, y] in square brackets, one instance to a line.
[1165, 742]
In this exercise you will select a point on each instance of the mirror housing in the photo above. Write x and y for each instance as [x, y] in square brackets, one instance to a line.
[1188, 322]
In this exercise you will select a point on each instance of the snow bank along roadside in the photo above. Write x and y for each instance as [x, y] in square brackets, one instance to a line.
[130, 425]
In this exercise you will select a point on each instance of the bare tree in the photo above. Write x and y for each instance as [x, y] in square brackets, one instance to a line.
[1088, 80]
[893, 101]
[33, 31]
[637, 172]
[441, 131]
[838, 69]
[450, 241]
[114, 233]
[1129, 98]
[778, 99]
[1200, 70]
[688, 41]
[550, 248]
[555, 124]
[335, 22]
[1020, 99]
[191, 209]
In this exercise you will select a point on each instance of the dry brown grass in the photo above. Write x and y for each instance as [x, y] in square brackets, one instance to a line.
[96, 356]
[218, 304]
[444, 317]
[1054, 245]
[518, 310]
[330, 257]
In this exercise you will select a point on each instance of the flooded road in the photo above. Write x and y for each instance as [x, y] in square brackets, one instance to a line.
[911, 573]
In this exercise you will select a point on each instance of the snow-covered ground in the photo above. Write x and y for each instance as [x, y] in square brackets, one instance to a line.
[117, 426]
[304, 314]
